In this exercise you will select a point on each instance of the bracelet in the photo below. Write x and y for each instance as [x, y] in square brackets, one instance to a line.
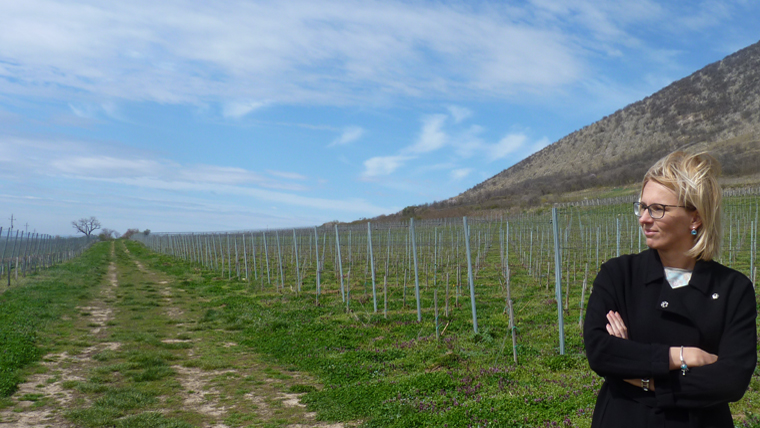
[645, 384]
[684, 367]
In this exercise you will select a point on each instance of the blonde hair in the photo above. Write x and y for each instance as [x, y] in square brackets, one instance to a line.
[694, 179]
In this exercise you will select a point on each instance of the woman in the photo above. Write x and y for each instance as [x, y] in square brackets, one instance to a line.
[672, 331]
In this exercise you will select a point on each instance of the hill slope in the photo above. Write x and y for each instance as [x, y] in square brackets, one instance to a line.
[716, 109]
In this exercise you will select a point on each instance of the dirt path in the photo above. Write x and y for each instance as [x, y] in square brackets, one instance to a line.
[139, 352]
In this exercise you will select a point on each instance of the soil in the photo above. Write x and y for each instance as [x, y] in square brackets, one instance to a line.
[211, 395]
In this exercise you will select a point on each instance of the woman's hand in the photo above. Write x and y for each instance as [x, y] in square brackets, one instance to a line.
[638, 383]
[616, 327]
[692, 356]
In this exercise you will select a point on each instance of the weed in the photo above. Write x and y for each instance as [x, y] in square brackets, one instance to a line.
[150, 420]
[39, 306]
[301, 389]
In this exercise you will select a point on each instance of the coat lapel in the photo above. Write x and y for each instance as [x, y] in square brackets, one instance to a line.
[669, 300]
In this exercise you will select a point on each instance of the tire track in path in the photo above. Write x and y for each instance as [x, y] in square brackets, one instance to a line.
[226, 385]
[199, 375]
[42, 397]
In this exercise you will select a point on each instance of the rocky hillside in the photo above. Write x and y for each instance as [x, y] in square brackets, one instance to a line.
[716, 109]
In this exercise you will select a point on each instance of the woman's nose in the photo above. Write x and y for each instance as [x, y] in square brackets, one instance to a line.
[645, 217]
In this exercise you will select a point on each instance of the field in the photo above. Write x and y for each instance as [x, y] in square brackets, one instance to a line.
[378, 331]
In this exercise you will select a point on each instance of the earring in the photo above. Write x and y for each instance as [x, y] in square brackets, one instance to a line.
[694, 232]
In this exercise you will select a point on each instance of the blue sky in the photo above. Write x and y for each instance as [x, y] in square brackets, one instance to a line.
[211, 116]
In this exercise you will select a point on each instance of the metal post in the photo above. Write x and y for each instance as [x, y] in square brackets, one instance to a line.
[372, 265]
[340, 264]
[469, 274]
[558, 280]
[617, 231]
[279, 258]
[298, 269]
[316, 254]
[416, 270]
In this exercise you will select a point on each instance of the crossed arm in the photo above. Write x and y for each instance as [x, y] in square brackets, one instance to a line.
[693, 356]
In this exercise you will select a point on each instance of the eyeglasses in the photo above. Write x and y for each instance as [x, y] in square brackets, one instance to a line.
[656, 211]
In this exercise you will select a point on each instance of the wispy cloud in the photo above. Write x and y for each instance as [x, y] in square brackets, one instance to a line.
[286, 174]
[459, 113]
[383, 165]
[442, 132]
[460, 173]
[352, 205]
[284, 52]
[432, 137]
[90, 163]
[238, 109]
[506, 146]
[84, 111]
[331, 52]
[90, 111]
[104, 166]
[349, 135]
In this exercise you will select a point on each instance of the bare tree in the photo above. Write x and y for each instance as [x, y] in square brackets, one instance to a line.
[86, 225]
[109, 234]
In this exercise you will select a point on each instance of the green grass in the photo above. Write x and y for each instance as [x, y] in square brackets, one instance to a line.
[353, 366]
[27, 312]
[393, 372]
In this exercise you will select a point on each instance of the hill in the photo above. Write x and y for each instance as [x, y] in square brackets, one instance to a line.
[715, 109]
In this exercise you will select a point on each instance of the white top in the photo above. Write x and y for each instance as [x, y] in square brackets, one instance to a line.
[677, 277]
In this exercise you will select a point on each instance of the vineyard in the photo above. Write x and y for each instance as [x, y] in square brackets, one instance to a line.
[26, 252]
[453, 322]
[485, 313]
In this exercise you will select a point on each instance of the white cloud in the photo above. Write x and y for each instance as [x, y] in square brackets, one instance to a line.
[331, 52]
[286, 174]
[538, 145]
[238, 109]
[350, 205]
[460, 173]
[94, 111]
[111, 109]
[506, 146]
[464, 143]
[432, 137]
[105, 166]
[707, 14]
[607, 22]
[468, 142]
[459, 113]
[349, 135]
[83, 111]
[383, 165]
[218, 175]
[91, 169]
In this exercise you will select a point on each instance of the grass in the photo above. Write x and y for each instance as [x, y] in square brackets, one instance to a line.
[354, 366]
[38, 306]
[394, 372]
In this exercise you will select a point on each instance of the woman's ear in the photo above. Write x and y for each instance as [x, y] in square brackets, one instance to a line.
[696, 220]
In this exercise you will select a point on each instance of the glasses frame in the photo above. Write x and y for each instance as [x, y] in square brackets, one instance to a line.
[637, 209]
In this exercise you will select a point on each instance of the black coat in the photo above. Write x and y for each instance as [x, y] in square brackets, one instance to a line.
[715, 312]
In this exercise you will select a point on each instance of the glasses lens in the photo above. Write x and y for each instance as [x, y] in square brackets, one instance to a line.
[656, 211]
[637, 209]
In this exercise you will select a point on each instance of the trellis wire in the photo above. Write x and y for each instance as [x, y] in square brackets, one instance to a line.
[586, 235]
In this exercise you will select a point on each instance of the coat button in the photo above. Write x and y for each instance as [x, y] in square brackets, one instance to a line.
[715, 296]
[664, 304]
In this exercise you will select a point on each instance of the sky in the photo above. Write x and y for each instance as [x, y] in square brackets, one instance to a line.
[190, 116]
